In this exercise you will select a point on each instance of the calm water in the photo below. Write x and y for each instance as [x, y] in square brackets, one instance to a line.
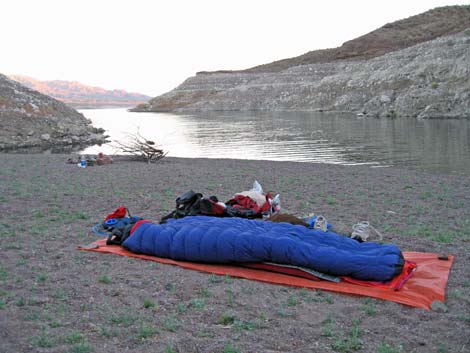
[434, 145]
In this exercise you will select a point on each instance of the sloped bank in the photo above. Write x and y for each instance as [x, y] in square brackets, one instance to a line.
[428, 80]
[31, 119]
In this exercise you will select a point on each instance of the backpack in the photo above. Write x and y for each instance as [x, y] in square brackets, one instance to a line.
[119, 229]
[116, 226]
[193, 203]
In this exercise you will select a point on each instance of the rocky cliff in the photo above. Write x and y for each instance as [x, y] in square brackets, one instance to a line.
[78, 95]
[415, 67]
[31, 119]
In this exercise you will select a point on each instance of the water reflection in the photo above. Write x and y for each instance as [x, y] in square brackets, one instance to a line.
[297, 136]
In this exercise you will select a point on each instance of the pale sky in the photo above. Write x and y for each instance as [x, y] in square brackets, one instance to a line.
[151, 46]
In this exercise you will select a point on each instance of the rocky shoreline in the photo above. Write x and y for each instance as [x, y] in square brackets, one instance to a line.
[29, 119]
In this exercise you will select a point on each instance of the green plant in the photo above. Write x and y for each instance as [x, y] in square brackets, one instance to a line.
[350, 343]
[79, 215]
[369, 307]
[82, 347]
[169, 349]
[229, 297]
[228, 348]
[42, 277]
[386, 348]
[181, 308]
[423, 195]
[426, 231]
[202, 334]
[146, 331]
[323, 297]
[3, 273]
[213, 279]
[198, 304]
[328, 327]
[263, 317]
[246, 325]
[55, 324]
[21, 302]
[330, 200]
[205, 293]
[228, 279]
[293, 300]
[43, 340]
[74, 337]
[227, 318]
[38, 214]
[148, 303]
[457, 294]
[123, 318]
[434, 85]
[442, 349]
[61, 294]
[31, 316]
[170, 287]
[105, 332]
[105, 279]
[170, 324]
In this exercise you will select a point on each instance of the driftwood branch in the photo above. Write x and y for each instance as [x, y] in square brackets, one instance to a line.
[140, 148]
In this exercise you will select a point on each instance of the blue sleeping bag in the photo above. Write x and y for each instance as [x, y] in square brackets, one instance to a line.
[232, 240]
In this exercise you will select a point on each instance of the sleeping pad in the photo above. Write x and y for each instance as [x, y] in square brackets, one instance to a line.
[238, 240]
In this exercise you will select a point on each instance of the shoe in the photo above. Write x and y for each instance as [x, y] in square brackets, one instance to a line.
[360, 231]
[320, 223]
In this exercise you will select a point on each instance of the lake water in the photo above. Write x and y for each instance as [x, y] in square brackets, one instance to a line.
[433, 145]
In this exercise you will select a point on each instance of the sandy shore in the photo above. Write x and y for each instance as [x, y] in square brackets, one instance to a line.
[54, 298]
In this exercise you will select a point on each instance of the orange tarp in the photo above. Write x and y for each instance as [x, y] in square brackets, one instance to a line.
[427, 284]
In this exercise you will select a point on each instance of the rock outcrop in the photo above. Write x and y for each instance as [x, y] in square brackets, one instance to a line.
[401, 78]
[31, 119]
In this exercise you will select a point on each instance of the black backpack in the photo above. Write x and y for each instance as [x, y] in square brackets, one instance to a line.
[192, 203]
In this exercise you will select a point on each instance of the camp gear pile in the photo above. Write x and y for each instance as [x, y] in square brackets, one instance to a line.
[202, 229]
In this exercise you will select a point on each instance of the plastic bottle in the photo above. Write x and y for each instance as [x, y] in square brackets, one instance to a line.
[276, 204]
[82, 162]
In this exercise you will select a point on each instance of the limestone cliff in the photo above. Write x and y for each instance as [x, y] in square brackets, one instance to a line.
[31, 119]
[418, 77]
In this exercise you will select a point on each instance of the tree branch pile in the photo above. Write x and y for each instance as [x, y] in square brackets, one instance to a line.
[140, 149]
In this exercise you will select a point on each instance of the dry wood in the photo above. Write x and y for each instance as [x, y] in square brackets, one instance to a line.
[140, 148]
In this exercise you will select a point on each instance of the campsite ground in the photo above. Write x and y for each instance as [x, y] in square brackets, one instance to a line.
[54, 298]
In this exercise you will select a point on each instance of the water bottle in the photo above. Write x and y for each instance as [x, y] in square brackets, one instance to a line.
[82, 162]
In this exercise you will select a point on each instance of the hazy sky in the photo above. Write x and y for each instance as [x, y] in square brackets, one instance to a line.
[151, 46]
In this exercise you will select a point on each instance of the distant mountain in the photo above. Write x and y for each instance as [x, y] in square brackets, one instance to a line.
[415, 67]
[31, 119]
[401, 34]
[79, 95]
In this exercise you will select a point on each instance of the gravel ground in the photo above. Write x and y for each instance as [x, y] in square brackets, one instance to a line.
[54, 298]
